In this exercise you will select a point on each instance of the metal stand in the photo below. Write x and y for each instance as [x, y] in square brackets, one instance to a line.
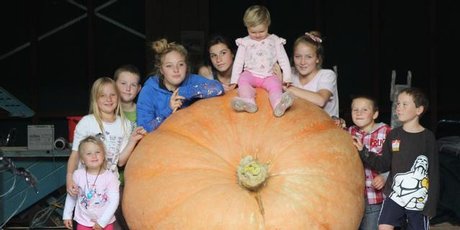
[14, 106]
[395, 89]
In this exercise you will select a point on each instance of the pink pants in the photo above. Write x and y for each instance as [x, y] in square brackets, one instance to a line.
[82, 227]
[248, 82]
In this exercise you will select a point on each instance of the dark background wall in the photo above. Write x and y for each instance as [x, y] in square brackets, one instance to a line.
[52, 50]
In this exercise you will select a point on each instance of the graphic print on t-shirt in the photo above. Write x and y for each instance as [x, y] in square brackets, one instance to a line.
[410, 189]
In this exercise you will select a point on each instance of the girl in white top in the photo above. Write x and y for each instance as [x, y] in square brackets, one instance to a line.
[107, 121]
[98, 193]
[309, 81]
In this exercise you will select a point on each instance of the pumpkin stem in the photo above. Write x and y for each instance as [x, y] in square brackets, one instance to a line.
[251, 173]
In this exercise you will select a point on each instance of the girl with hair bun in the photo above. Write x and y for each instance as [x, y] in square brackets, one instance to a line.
[172, 86]
[309, 80]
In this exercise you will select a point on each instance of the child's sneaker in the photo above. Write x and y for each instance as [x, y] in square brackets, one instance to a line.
[240, 105]
[284, 104]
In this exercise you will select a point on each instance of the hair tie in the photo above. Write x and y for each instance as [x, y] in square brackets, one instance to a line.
[170, 45]
[314, 37]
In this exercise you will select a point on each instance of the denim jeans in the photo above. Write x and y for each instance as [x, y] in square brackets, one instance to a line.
[371, 216]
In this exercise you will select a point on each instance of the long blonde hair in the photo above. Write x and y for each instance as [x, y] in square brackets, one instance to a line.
[96, 91]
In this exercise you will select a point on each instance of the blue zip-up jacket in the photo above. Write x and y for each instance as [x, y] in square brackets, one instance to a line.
[153, 102]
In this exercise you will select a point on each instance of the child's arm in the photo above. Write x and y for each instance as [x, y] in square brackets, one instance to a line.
[319, 98]
[283, 60]
[72, 165]
[69, 206]
[81, 131]
[134, 138]
[110, 209]
[147, 115]
[380, 163]
[113, 194]
[433, 176]
[205, 71]
[238, 62]
[199, 87]
[149, 119]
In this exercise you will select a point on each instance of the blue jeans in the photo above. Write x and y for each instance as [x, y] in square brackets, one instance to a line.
[371, 217]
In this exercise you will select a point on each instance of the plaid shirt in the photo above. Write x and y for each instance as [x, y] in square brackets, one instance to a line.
[374, 142]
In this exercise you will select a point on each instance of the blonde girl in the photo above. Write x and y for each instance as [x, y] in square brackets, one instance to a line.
[309, 80]
[106, 120]
[254, 64]
[171, 87]
[97, 190]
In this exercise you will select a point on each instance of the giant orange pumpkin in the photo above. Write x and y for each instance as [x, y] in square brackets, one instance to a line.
[208, 167]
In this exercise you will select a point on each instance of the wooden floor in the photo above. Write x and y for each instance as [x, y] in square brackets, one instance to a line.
[445, 226]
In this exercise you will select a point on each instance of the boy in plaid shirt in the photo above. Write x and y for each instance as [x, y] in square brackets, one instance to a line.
[364, 112]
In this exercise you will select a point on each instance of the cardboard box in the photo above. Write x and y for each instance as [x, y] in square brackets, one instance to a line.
[40, 137]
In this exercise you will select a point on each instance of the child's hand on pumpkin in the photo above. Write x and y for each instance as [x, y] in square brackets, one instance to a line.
[357, 143]
[176, 100]
[228, 87]
[138, 133]
[287, 87]
[339, 122]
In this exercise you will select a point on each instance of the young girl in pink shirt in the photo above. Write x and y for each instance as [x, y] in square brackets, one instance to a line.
[98, 190]
[254, 61]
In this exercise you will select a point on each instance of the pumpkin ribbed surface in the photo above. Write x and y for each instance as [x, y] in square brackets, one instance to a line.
[184, 175]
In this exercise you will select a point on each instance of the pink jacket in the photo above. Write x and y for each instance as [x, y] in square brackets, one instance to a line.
[258, 57]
